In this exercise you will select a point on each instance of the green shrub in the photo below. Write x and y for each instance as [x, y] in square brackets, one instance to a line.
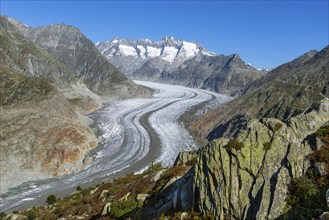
[58, 210]
[191, 162]
[322, 131]
[277, 127]
[267, 146]
[79, 188]
[31, 215]
[234, 144]
[300, 189]
[2, 215]
[85, 192]
[51, 199]
[166, 177]
[153, 168]
[120, 208]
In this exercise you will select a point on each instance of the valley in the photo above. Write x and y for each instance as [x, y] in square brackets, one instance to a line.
[134, 133]
[146, 129]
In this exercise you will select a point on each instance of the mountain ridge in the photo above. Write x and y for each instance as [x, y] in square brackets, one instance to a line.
[69, 46]
[167, 61]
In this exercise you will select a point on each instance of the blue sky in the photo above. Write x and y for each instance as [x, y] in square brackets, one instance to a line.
[264, 33]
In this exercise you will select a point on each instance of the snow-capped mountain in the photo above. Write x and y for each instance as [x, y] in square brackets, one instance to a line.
[172, 51]
[177, 61]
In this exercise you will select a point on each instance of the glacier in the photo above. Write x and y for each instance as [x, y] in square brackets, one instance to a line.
[134, 133]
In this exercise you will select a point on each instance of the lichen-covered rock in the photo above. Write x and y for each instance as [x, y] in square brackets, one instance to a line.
[16, 217]
[251, 183]
[142, 197]
[185, 157]
[157, 175]
[177, 195]
[107, 208]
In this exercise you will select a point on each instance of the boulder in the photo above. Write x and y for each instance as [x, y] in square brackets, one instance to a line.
[107, 208]
[103, 193]
[16, 217]
[324, 216]
[142, 197]
[125, 197]
[157, 175]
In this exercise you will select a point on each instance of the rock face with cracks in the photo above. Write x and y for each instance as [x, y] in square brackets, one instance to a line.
[251, 183]
[246, 183]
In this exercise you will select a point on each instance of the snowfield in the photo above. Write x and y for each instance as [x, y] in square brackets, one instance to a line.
[134, 133]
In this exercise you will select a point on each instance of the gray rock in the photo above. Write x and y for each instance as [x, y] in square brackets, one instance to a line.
[176, 196]
[125, 197]
[16, 217]
[157, 176]
[107, 208]
[324, 216]
[142, 197]
[184, 157]
[93, 191]
[103, 193]
[183, 216]
[320, 168]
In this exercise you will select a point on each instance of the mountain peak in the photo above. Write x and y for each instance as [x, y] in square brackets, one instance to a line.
[168, 38]
[236, 56]
[169, 49]
[13, 24]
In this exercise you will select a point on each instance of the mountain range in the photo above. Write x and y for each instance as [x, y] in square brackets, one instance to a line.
[50, 77]
[180, 62]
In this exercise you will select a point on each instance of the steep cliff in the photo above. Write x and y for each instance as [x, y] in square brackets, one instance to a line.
[251, 183]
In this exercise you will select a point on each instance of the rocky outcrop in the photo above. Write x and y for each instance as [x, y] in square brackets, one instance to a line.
[251, 183]
[185, 158]
[247, 179]
[177, 195]
[106, 209]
